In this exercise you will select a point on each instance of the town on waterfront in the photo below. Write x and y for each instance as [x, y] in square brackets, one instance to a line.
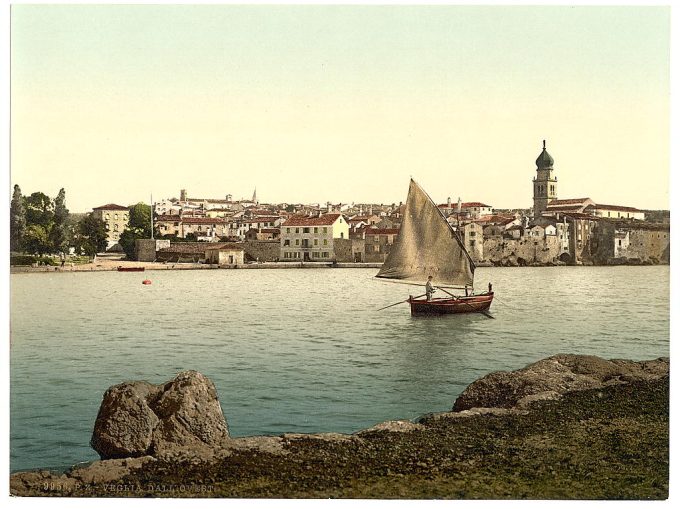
[526, 148]
[223, 232]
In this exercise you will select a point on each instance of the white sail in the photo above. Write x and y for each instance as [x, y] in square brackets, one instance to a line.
[427, 246]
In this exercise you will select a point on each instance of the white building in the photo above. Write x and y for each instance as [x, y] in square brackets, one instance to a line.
[615, 212]
[305, 238]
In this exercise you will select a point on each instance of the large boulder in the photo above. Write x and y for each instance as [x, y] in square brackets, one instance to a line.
[182, 417]
[552, 377]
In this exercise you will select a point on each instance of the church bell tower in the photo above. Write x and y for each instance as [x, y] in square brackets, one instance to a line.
[545, 185]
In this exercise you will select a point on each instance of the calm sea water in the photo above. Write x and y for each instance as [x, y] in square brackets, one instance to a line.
[299, 350]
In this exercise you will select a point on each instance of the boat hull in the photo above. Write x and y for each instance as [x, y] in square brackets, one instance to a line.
[446, 306]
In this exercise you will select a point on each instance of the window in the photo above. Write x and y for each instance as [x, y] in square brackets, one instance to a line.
[325, 229]
[316, 229]
[325, 242]
[297, 230]
[342, 235]
[115, 216]
[107, 216]
[316, 242]
[325, 254]
[115, 227]
[297, 242]
[287, 230]
[315, 254]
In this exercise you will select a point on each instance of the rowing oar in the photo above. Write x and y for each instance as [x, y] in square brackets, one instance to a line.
[400, 302]
[485, 313]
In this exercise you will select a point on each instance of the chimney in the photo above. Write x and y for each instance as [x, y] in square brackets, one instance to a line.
[448, 202]
[183, 195]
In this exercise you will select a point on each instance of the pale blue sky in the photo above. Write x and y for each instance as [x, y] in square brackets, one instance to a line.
[317, 103]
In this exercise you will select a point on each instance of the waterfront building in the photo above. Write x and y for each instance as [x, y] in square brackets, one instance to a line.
[305, 238]
[115, 218]
[225, 254]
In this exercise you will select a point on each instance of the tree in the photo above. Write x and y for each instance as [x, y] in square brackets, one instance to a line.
[139, 227]
[17, 220]
[92, 237]
[58, 233]
[39, 210]
[36, 240]
[140, 219]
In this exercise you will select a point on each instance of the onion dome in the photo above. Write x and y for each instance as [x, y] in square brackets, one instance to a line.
[545, 160]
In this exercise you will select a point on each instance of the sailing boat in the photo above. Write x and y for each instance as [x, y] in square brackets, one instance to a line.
[427, 245]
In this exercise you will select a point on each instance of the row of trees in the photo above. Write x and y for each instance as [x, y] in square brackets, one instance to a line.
[42, 225]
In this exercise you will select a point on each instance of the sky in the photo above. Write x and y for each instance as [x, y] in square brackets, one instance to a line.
[320, 103]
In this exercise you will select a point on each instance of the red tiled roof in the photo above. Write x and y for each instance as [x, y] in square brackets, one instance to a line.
[599, 206]
[381, 231]
[111, 206]
[204, 220]
[569, 201]
[464, 205]
[494, 218]
[324, 220]
[192, 247]
[168, 218]
[261, 219]
[563, 207]
[228, 245]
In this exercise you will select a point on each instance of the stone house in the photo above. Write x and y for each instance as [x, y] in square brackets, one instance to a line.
[378, 242]
[472, 235]
[205, 228]
[188, 252]
[169, 224]
[115, 218]
[226, 254]
[263, 234]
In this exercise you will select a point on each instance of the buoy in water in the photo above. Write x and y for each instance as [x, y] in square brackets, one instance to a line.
[146, 282]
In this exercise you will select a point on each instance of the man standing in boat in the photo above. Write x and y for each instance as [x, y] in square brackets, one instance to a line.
[429, 289]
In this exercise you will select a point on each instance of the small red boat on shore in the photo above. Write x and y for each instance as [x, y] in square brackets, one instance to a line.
[130, 269]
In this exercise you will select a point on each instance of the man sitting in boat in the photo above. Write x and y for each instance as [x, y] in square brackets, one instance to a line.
[429, 289]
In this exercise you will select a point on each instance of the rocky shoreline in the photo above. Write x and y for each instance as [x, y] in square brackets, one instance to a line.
[565, 427]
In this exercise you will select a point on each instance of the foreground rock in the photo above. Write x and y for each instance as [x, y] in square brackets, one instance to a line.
[180, 417]
[552, 377]
[606, 437]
